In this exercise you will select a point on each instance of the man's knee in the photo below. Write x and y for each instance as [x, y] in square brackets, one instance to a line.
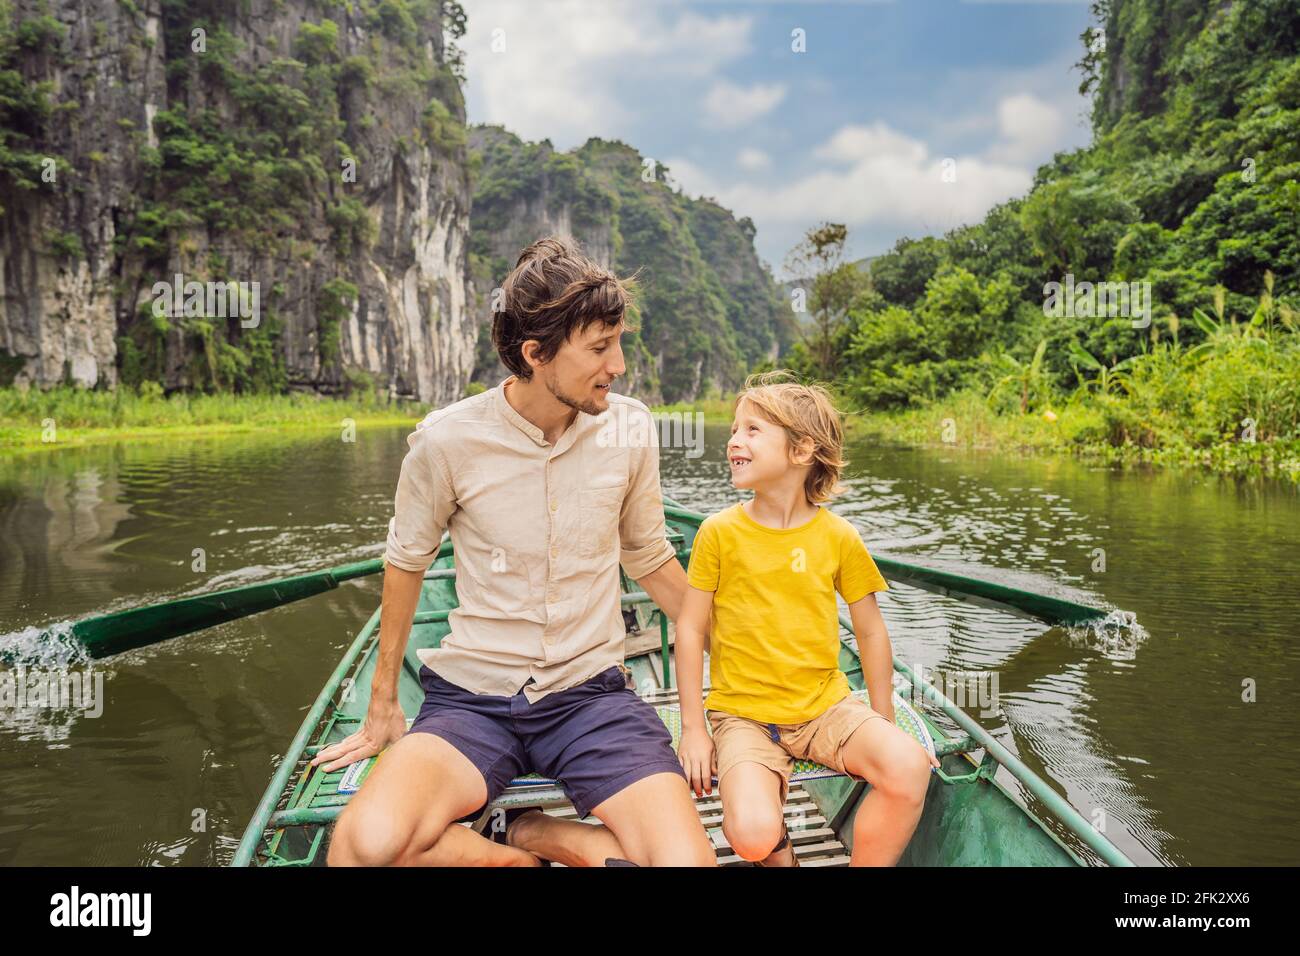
[364, 837]
[406, 804]
[657, 825]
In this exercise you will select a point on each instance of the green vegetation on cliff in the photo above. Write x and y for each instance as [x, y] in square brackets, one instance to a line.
[1191, 188]
[710, 309]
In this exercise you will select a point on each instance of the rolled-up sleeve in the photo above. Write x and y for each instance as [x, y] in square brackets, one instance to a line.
[642, 531]
[422, 507]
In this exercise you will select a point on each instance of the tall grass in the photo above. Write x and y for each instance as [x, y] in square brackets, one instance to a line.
[25, 414]
[1232, 406]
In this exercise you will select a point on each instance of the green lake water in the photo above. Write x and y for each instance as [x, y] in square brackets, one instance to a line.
[1146, 733]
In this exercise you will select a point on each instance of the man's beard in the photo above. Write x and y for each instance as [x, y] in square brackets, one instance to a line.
[589, 407]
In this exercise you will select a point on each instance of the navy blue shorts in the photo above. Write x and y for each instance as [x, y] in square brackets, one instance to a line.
[595, 738]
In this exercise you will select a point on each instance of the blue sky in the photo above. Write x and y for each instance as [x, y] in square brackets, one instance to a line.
[859, 128]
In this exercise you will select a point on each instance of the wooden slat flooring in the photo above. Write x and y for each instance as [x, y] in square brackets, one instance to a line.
[815, 844]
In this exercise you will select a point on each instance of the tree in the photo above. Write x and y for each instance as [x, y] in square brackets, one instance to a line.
[830, 284]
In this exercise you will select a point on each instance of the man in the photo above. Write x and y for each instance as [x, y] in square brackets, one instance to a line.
[542, 507]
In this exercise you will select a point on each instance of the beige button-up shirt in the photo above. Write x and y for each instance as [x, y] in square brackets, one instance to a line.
[539, 532]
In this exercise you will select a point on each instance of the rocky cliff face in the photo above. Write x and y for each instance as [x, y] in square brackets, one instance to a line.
[311, 152]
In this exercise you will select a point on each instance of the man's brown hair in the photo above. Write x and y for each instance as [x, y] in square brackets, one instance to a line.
[553, 291]
[809, 417]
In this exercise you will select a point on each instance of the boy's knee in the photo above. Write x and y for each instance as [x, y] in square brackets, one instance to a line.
[907, 776]
[753, 836]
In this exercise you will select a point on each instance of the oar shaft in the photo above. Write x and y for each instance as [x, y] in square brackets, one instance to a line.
[138, 627]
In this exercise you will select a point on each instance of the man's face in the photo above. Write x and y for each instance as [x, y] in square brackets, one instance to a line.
[581, 372]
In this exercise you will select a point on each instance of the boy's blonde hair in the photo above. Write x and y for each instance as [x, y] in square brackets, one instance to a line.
[805, 412]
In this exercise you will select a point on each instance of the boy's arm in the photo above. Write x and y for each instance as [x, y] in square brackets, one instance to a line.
[692, 627]
[875, 652]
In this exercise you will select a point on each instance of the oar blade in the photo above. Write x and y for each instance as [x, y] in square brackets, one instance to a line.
[1040, 607]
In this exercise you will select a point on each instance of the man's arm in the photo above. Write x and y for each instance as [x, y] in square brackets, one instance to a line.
[422, 507]
[384, 721]
[666, 585]
[644, 550]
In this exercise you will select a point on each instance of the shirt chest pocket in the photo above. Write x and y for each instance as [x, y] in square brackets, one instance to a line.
[599, 509]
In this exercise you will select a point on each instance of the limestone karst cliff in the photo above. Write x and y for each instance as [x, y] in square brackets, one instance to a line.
[169, 167]
[315, 149]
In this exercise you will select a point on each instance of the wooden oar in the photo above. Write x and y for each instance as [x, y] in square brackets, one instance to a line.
[971, 590]
[138, 627]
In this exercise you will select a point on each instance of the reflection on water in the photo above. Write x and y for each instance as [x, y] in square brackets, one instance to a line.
[1145, 732]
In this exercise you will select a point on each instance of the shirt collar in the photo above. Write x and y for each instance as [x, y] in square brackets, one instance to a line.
[507, 411]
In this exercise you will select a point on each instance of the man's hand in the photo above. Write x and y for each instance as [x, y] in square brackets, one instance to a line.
[384, 724]
[698, 759]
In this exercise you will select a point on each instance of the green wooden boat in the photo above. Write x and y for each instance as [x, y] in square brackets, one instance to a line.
[970, 818]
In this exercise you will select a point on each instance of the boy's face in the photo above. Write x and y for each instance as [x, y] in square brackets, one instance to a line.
[758, 451]
[589, 360]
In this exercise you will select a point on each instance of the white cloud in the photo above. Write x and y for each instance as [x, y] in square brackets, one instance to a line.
[883, 176]
[852, 144]
[730, 106]
[1031, 129]
[874, 179]
[753, 159]
[691, 178]
[563, 61]
[883, 182]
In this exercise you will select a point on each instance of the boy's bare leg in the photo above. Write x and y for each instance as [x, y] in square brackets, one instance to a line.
[752, 815]
[403, 814]
[564, 841]
[898, 770]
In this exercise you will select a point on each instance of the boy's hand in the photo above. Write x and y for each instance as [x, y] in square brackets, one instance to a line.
[698, 759]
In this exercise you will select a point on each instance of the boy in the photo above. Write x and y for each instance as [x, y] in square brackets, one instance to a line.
[763, 576]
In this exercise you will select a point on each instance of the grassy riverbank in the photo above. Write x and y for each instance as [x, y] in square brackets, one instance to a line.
[966, 421]
[64, 417]
[1114, 429]
[1105, 428]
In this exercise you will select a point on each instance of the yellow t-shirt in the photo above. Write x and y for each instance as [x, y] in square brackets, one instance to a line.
[774, 630]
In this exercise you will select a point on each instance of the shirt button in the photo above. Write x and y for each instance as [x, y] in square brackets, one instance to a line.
[555, 552]
[554, 505]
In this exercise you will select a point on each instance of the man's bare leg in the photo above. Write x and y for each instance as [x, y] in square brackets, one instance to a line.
[404, 813]
[564, 841]
[655, 822]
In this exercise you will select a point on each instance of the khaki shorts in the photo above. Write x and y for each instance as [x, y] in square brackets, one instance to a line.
[822, 739]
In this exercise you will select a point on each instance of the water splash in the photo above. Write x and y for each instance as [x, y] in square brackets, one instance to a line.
[46, 656]
[53, 646]
[1116, 636]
